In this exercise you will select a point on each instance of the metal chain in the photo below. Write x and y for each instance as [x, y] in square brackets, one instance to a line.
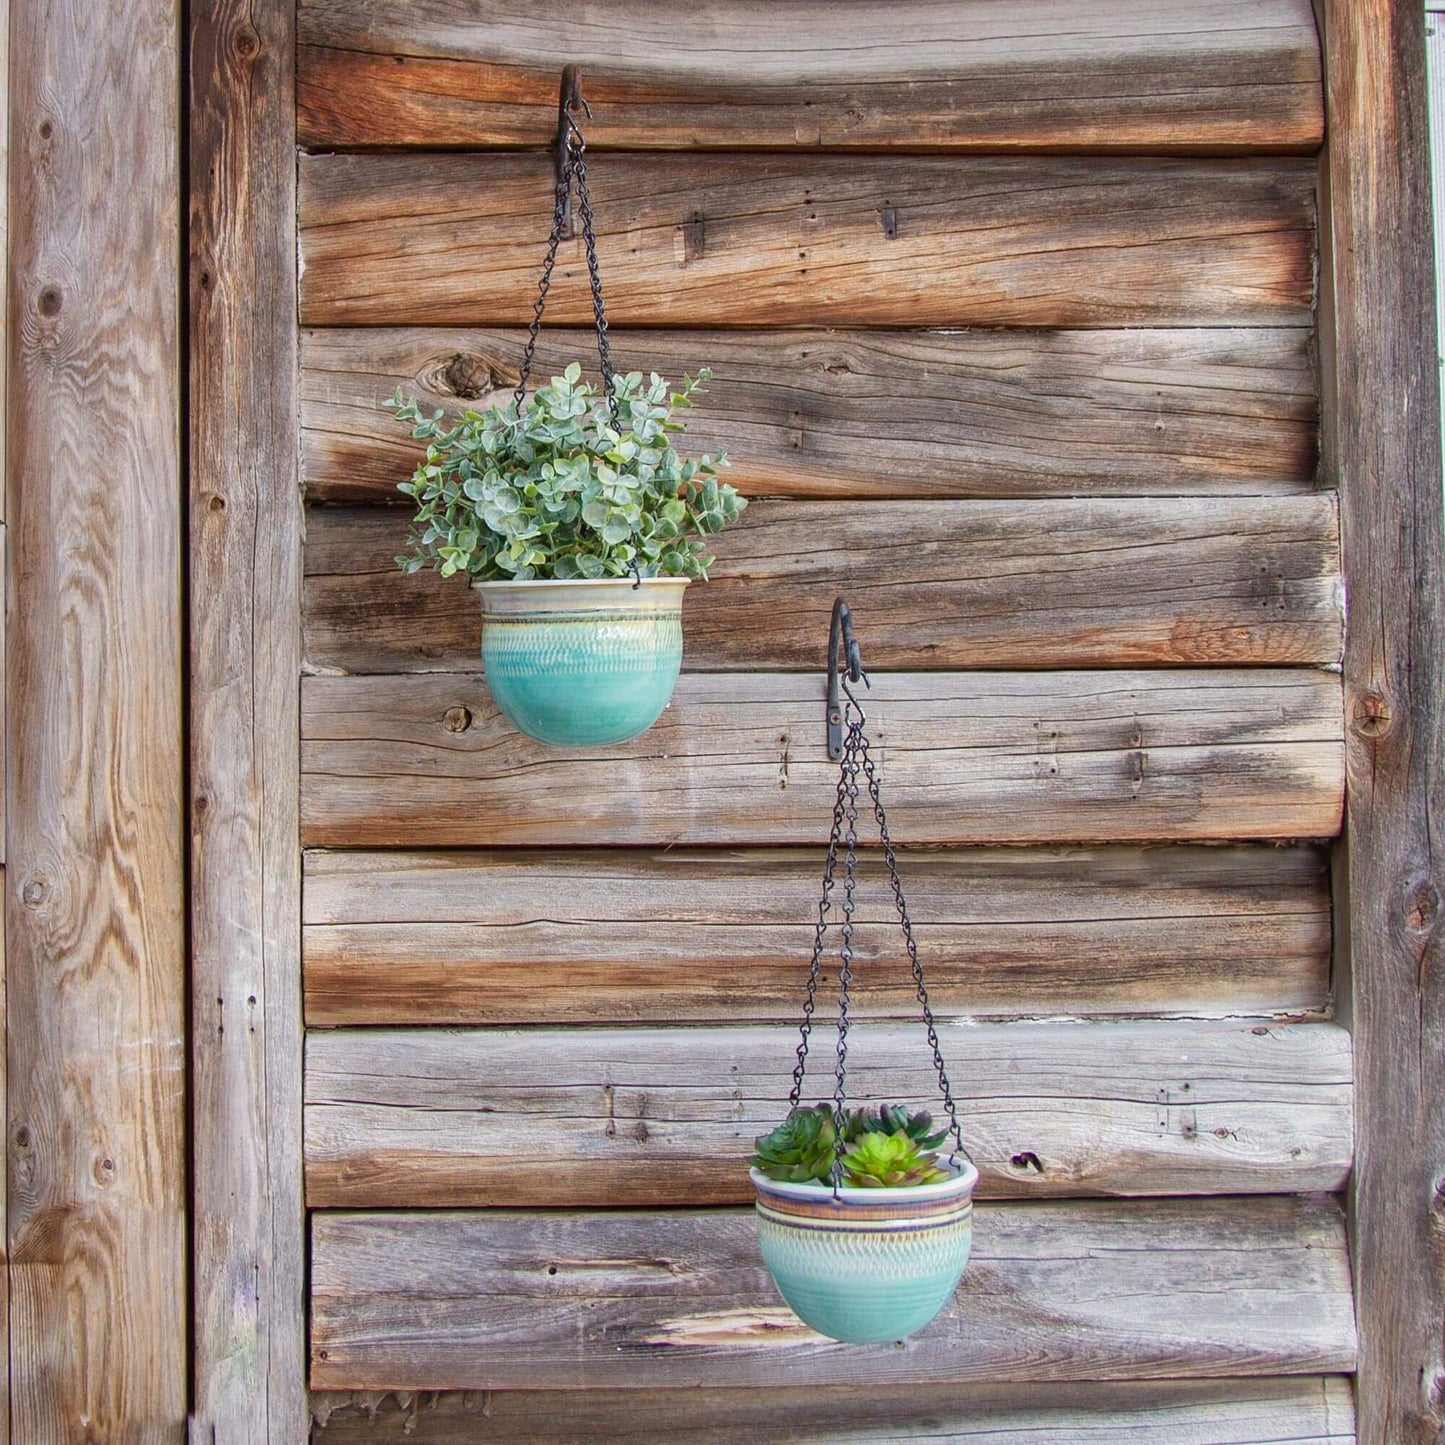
[857, 757]
[574, 169]
[819, 936]
[907, 926]
[849, 773]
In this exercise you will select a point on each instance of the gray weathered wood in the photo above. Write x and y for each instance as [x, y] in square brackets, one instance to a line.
[249, 1232]
[1301, 1411]
[541, 937]
[788, 240]
[96, 1018]
[1132, 1289]
[739, 758]
[1381, 442]
[1137, 582]
[1064, 74]
[871, 413]
[433, 1118]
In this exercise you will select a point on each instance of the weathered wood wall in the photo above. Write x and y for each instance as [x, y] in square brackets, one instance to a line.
[1012, 316]
[94, 899]
[1381, 444]
[248, 1306]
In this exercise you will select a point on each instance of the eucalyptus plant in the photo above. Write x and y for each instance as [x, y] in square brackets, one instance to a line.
[554, 489]
[886, 1148]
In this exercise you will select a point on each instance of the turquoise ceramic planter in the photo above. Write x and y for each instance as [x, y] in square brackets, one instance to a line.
[582, 664]
[871, 1265]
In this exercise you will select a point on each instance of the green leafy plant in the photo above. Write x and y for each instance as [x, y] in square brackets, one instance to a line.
[884, 1148]
[555, 490]
[800, 1148]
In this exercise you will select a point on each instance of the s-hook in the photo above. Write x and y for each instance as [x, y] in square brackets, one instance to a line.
[569, 97]
[842, 656]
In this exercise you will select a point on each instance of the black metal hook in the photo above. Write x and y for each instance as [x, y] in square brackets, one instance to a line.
[569, 98]
[843, 656]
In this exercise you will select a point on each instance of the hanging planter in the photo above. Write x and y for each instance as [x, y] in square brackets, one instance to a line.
[864, 1221]
[575, 518]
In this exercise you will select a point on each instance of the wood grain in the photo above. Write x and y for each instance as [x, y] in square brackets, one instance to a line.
[1054, 1291]
[431, 1118]
[1060, 75]
[739, 758]
[512, 936]
[95, 908]
[783, 240]
[1304, 1411]
[1379, 365]
[1051, 584]
[245, 565]
[871, 413]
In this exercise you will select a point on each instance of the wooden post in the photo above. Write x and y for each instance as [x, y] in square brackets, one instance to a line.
[245, 527]
[94, 899]
[1381, 444]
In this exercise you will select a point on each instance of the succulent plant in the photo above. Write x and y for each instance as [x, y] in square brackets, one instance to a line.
[895, 1119]
[556, 490]
[887, 1147]
[801, 1148]
[889, 1161]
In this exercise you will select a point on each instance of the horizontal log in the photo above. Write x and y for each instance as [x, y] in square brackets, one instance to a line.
[870, 413]
[1307, 1411]
[431, 1118]
[1136, 582]
[1066, 74]
[780, 240]
[1054, 1291]
[427, 760]
[608, 936]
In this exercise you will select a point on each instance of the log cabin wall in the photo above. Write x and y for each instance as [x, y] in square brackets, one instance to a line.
[1011, 313]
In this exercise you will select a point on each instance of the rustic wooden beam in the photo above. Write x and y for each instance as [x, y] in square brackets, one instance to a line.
[1233, 1412]
[95, 920]
[871, 413]
[794, 240]
[1136, 582]
[245, 561]
[1136, 1289]
[589, 1118]
[526, 936]
[426, 760]
[1381, 445]
[1176, 75]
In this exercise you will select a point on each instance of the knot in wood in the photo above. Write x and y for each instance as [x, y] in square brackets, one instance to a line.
[36, 891]
[1422, 906]
[464, 374]
[457, 719]
[1371, 716]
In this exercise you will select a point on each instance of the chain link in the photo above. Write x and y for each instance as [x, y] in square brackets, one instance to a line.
[858, 758]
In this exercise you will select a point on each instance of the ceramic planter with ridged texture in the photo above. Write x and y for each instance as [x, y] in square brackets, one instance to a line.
[870, 1265]
[578, 663]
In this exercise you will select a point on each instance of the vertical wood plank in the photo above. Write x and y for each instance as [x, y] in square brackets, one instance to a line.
[1381, 443]
[245, 514]
[94, 902]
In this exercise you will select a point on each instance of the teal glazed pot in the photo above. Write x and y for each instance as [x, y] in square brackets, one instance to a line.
[871, 1265]
[578, 663]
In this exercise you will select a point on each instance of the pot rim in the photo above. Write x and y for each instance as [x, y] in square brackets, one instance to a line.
[962, 1182]
[630, 583]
